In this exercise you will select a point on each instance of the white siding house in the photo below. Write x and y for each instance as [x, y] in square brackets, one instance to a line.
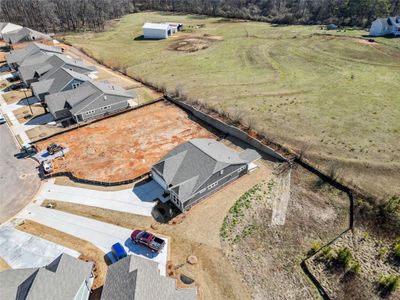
[156, 31]
[8, 27]
[385, 26]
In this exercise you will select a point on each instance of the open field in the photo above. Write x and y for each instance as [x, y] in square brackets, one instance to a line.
[88, 251]
[330, 92]
[213, 274]
[125, 146]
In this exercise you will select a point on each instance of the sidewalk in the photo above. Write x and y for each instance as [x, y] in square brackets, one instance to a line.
[102, 235]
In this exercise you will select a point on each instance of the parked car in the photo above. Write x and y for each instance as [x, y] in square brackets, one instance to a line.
[47, 166]
[2, 119]
[118, 251]
[54, 148]
[13, 78]
[29, 149]
[148, 239]
[17, 86]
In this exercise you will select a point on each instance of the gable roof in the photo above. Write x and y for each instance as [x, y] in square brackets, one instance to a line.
[20, 55]
[51, 64]
[160, 26]
[61, 279]
[84, 95]
[56, 81]
[188, 166]
[137, 278]
[22, 34]
[4, 27]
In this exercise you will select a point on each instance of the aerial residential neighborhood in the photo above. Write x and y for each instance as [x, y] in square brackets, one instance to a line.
[199, 150]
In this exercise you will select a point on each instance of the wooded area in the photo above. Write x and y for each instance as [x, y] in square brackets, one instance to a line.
[78, 15]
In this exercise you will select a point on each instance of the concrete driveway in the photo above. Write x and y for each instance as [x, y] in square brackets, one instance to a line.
[102, 235]
[19, 180]
[22, 250]
[138, 201]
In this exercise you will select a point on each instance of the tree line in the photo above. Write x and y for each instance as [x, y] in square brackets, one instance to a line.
[78, 15]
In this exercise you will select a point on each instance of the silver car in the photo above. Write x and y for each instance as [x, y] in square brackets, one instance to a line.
[2, 120]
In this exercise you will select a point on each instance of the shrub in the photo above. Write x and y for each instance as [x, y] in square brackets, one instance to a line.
[315, 246]
[396, 249]
[354, 266]
[327, 253]
[389, 283]
[344, 257]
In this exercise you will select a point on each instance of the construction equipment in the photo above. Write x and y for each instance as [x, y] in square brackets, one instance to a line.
[47, 166]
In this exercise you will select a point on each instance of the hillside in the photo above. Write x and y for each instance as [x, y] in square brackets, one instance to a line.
[331, 93]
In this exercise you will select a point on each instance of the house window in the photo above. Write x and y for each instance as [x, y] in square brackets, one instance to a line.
[212, 185]
[75, 85]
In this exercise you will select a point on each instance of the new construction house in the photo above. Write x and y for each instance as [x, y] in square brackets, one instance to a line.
[36, 68]
[29, 53]
[61, 80]
[91, 99]
[24, 34]
[137, 278]
[199, 167]
[65, 278]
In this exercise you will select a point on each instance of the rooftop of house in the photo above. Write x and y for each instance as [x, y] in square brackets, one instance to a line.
[50, 65]
[22, 34]
[20, 55]
[188, 166]
[56, 81]
[137, 278]
[84, 95]
[61, 280]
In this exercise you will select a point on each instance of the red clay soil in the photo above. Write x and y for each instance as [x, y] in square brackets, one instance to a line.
[126, 146]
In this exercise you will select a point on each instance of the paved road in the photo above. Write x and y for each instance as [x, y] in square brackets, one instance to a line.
[102, 235]
[18, 177]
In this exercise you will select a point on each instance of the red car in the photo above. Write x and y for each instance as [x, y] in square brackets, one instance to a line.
[148, 239]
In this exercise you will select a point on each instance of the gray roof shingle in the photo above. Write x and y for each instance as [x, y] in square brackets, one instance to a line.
[137, 278]
[20, 55]
[61, 280]
[188, 166]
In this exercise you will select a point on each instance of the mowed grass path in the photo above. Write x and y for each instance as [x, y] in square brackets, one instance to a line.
[300, 86]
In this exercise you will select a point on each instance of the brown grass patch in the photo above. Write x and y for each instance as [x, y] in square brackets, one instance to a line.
[15, 96]
[25, 114]
[88, 251]
[4, 265]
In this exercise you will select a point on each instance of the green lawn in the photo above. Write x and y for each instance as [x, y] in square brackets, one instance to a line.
[298, 84]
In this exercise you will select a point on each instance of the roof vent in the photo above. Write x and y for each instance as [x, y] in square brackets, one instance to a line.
[105, 97]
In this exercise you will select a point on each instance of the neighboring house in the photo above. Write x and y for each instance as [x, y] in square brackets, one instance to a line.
[8, 27]
[61, 80]
[158, 31]
[137, 278]
[19, 56]
[199, 167]
[30, 73]
[91, 99]
[24, 34]
[385, 26]
[65, 278]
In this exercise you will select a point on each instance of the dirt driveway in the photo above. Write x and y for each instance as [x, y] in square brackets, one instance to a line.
[126, 146]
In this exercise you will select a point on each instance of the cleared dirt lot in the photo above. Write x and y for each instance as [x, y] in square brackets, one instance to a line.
[125, 146]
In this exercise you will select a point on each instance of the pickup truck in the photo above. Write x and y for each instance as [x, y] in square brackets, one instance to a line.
[148, 239]
[54, 148]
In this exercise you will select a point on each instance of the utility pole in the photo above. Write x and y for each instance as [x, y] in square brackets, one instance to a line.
[27, 99]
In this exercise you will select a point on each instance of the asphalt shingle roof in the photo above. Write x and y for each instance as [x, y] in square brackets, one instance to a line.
[188, 166]
[60, 280]
[20, 55]
[137, 278]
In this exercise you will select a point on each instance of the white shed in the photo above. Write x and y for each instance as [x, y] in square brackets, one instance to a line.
[8, 27]
[156, 31]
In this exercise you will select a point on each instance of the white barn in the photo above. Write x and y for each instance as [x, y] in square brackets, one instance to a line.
[385, 26]
[8, 27]
[156, 31]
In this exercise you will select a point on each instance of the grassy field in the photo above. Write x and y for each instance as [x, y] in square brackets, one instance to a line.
[301, 86]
